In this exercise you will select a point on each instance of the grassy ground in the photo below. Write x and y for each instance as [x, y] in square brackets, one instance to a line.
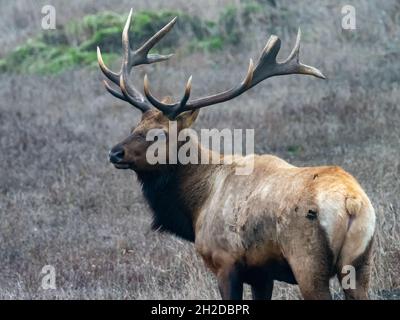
[62, 203]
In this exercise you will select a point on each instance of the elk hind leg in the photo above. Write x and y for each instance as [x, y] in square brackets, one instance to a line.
[356, 289]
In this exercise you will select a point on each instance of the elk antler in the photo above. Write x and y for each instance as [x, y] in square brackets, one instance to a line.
[131, 59]
[266, 67]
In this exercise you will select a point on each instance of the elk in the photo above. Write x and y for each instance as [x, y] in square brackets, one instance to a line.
[300, 225]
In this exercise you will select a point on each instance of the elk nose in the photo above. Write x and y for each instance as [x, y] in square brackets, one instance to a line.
[116, 154]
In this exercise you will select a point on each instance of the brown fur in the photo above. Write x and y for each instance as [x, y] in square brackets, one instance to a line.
[279, 223]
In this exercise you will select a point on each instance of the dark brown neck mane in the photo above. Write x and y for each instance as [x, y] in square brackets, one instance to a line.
[162, 190]
[175, 193]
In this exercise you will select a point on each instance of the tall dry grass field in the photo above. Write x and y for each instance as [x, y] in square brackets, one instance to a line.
[63, 204]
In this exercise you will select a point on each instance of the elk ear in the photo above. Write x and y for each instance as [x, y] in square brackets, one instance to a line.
[186, 119]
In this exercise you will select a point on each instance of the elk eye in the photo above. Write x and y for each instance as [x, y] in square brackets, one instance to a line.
[312, 215]
[140, 136]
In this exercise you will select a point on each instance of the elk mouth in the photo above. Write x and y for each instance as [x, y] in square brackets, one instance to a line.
[123, 165]
[116, 157]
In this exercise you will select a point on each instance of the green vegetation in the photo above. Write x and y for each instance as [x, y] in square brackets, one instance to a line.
[39, 57]
[74, 44]
[294, 150]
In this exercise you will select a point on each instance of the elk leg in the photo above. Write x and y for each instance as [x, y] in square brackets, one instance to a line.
[362, 267]
[313, 287]
[360, 292]
[312, 278]
[230, 284]
[262, 290]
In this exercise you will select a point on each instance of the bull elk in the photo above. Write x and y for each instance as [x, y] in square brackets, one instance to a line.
[300, 225]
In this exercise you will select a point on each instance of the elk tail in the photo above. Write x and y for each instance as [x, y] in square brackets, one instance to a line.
[360, 229]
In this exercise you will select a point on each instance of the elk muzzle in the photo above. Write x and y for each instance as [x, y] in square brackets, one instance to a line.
[116, 156]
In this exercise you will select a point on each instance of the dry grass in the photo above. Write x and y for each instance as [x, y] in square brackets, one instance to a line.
[61, 203]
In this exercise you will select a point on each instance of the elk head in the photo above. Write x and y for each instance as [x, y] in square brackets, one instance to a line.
[131, 152]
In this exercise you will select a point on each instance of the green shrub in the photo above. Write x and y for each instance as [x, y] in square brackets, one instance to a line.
[210, 44]
[74, 44]
[109, 39]
[229, 26]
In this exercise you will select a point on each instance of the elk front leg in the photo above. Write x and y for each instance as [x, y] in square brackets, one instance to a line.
[230, 283]
[262, 290]
[224, 266]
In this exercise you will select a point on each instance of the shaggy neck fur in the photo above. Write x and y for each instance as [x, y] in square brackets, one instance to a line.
[175, 194]
[162, 192]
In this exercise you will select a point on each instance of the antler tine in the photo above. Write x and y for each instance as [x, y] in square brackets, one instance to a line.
[188, 89]
[141, 105]
[114, 77]
[114, 92]
[267, 66]
[303, 68]
[141, 56]
[296, 49]
[146, 47]
[130, 59]
[164, 107]
[171, 110]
